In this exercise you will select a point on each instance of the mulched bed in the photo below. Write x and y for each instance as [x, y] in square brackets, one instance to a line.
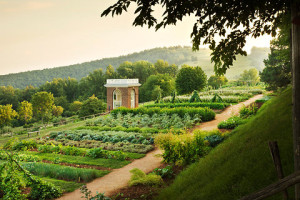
[144, 192]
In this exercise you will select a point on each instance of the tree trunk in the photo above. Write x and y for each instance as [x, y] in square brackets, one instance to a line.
[295, 13]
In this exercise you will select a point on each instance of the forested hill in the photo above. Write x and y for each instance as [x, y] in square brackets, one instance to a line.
[174, 55]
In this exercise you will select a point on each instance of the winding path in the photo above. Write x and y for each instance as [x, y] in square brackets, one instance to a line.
[119, 178]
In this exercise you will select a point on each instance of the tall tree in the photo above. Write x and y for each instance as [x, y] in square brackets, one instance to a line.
[156, 84]
[42, 105]
[233, 21]
[189, 79]
[25, 111]
[277, 71]
[6, 114]
[249, 77]
[217, 81]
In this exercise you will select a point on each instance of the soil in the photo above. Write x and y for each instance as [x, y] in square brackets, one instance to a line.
[118, 178]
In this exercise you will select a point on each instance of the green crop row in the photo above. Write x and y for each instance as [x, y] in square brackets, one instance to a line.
[104, 136]
[146, 123]
[120, 146]
[205, 114]
[219, 106]
[93, 125]
[63, 172]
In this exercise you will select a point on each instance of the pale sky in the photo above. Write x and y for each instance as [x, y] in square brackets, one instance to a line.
[38, 34]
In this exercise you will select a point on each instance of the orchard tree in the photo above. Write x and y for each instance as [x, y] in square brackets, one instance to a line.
[160, 84]
[57, 110]
[25, 111]
[189, 79]
[42, 103]
[249, 77]
[217, 81]
[92, 106]
[233, 21]
[75, 107]
[6, 114]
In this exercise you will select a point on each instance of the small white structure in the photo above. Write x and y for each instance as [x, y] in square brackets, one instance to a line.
[122, 92]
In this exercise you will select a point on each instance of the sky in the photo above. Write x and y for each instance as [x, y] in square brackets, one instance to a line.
[39, 34]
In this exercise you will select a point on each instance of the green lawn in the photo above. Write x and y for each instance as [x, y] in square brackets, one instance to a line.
[242, 164]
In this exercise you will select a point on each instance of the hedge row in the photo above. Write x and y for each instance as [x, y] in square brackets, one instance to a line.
[131, 129]
[219, 106]
[205, 114]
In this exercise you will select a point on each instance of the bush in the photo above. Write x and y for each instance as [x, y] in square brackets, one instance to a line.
[246, 112]
[96, 153]
[181, 149]
[231, 123]
[139, 177]
[164, 172]
[214, 140]
[16, 145]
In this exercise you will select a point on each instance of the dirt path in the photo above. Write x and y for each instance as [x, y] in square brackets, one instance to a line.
[228, 112]
[119, 178]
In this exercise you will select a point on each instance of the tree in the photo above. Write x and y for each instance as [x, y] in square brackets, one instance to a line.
[125, 70]
[277, 72]
[75, 107]
[93, 84]
[92, 106]
[25, 111]
[234, 21]
[217, 81]
[110, 72]
[42, 105]
[249, 77]
[142, 70]
[8, 95]
[6, 114]
[189, 79]
[57, 110]
[156, 84]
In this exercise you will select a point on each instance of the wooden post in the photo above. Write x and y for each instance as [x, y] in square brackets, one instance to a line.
[277, 162]
[295, 18]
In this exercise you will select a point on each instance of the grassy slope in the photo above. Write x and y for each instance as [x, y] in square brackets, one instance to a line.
[242, 164]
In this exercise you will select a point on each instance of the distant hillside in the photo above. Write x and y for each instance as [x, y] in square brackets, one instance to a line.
[174, 55]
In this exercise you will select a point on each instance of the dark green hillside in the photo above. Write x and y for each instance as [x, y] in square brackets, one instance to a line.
[174, 55]
[242, 164]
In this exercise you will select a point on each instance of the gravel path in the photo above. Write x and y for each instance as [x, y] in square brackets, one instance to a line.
[119, 178]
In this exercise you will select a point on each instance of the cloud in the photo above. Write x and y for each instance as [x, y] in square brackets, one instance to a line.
[13, 6]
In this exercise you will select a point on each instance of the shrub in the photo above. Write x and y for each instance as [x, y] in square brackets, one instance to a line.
[195, 97]
[164, 172]
[231, 123]
[96, 153]
[15, 144]
[246, 112]
[214, 140]
[181, 149]
[139, 177]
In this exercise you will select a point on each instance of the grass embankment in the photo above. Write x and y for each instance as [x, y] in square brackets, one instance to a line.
[242, 164]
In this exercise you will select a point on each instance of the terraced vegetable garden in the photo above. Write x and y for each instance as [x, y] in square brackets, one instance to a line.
[70, 158]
